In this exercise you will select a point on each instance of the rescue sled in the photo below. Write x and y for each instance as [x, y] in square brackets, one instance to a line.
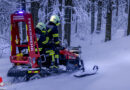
[28, 64]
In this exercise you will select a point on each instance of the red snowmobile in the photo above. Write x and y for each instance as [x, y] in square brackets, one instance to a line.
[27, 62]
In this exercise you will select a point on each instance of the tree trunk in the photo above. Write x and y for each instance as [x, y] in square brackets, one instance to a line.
[68, 9]
[76, 29]
[117, 7]
[92, 16]
[49, 10]
[99, 17]
[23, 2]
[126, 8]
[128, 30]
[60, 26]
[34, 11]
[108, 21]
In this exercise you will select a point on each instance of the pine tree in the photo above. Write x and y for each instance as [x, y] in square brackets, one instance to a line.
[60, 26]
[128, 29]
[117, 7]
[108, 21]
[35, 5]
[92, 16]
[68, 11]
[23, 2]
[99, 17]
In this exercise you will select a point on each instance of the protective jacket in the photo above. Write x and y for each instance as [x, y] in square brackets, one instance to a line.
[42, 37]
[53, 34]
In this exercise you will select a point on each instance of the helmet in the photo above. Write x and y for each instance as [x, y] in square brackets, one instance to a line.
[41, 26]
[55, 19]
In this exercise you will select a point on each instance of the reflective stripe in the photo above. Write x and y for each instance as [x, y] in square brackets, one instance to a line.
[55, 35]
[57, 42]
[33, 71]
[11, 48]
[40, 49]
[49, 30]
[26, 27]
[28, 48]
[27, 38]
[27, 34]
[51, 53]
[43, 31]
[46, 41]
[54, 66]
[11, 37]
[29, 71]
[53, 58]
[11, 27]
[11, 31]
[57, 24]
[56, 56]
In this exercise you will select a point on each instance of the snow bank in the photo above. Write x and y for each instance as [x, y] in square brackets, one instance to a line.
[112, 57]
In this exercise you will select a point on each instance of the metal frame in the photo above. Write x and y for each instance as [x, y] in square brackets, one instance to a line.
[31, 45]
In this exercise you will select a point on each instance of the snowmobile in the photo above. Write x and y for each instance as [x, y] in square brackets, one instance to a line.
[28, 64]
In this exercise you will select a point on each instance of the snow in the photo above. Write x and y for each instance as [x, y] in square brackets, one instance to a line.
[113, 59]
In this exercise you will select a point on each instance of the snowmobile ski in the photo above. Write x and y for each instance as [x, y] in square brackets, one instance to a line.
[85, 73]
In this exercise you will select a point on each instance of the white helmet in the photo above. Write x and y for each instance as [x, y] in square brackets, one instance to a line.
[55, 19]
[41, 26]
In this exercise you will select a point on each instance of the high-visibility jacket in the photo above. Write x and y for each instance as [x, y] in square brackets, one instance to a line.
[42, 37]
[53, 33]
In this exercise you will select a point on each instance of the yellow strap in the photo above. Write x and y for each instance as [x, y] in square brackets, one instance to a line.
[54, 66]
[57, 24]
[46, 41]
[11, 48]
[56, 56]
[53, 58]
[28, 48]
[11, 37]
[57, 42]
[49, 30]
[51, 53]
[29, 71]
[40, 49]
[43, 31]
[55, 35]
[35, 72]
[26, 27]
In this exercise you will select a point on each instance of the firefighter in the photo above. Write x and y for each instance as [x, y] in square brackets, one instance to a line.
[42, 36]
[52, 29]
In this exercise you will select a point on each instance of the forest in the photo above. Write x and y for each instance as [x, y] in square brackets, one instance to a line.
[80, 19]
[90, 50]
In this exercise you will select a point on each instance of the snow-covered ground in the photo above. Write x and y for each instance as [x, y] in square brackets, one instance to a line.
[113, 59]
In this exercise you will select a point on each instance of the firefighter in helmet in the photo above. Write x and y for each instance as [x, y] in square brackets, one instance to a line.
[52, 30]
[42, 36]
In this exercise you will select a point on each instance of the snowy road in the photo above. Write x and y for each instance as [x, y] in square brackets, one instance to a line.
[113, 59]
